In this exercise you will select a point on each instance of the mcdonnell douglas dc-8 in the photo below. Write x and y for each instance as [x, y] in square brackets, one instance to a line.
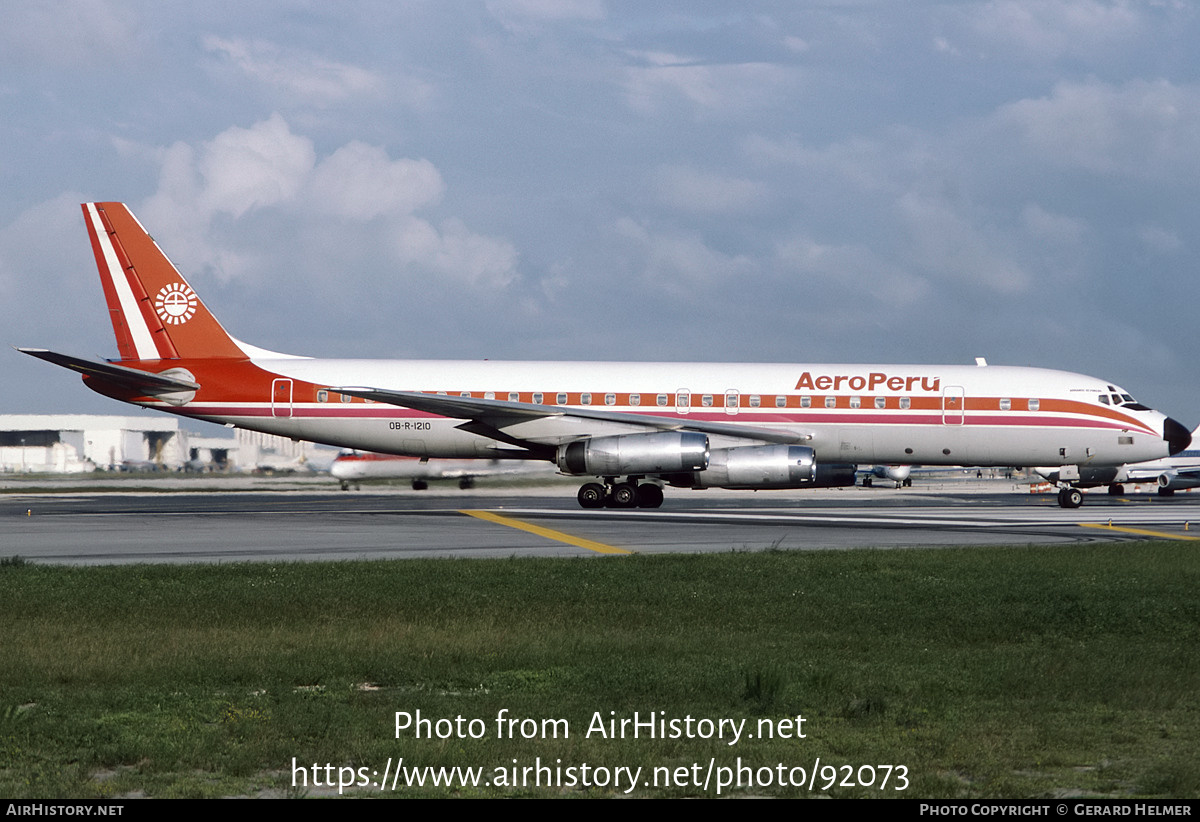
[630, 428]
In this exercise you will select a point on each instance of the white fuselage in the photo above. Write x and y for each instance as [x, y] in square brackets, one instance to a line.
[931, 415]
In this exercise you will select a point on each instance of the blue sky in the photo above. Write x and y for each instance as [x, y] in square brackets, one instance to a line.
[838, 181]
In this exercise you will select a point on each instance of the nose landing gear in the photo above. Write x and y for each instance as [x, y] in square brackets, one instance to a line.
[1070, 498]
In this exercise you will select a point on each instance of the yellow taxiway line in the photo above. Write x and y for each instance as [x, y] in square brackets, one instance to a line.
[548, 533]
[1141, 531]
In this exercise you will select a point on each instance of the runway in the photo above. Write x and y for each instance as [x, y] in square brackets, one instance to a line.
[122, 528]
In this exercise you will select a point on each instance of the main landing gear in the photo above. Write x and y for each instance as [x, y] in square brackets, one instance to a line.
[630, 494]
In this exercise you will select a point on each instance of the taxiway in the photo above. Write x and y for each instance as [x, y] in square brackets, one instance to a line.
[85, 528]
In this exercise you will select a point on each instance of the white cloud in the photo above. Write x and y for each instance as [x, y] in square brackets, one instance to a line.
[69, 32]
[1159, 240]
[32, 247]
[521, 15]
[865, 164]
[1140, 129]
[677, 261]
[454, 252]
[850, 271]
[949, 246]
[308, 77]
[1053, 228]
[796, 44]
[720, 88]
[688, 189]
[245, 168]
[361, 182]
[1051, 28]
[245, 172]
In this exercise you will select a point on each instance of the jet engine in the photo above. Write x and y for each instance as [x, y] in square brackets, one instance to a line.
[654, 453]
[766, 466]
[1171, 482]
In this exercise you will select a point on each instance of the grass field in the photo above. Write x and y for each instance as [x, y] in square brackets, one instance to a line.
[984, 672]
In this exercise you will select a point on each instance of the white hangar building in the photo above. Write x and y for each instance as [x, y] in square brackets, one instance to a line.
[72, 443]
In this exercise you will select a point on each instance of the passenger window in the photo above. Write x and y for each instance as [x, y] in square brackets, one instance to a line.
[489, 395]
[585, 398]
[881, 402]
[706, 400]
[635, 399]
[781, 402]
[561, 399]
[806, 402]
[856, 402]
[1006, 405]
[661, 400]
[322, 395]
[831, 402]
[610, 399]
[1035, 405]
[905, 402]
[513, 396]
[537, 398]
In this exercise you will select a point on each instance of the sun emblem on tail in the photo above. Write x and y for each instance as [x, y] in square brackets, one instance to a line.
[175, 303]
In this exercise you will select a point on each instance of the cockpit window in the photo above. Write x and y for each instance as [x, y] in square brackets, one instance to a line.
[1122, 400]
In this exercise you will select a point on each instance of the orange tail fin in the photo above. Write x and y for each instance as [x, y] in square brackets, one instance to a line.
[155, 313]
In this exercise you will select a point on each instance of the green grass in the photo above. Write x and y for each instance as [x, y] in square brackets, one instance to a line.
[989, 672]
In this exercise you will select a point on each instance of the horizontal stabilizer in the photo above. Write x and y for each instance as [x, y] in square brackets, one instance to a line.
[142, 381]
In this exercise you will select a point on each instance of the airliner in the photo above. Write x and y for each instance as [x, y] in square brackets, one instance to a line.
[352, 467]
[628, 428]
[899, 474]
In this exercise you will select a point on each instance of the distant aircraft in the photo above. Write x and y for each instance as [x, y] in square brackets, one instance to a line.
[1170, 474]
[899, 474]
[352, 467]
[628, 427]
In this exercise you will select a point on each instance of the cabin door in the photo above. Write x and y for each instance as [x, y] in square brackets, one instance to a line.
[281, 398]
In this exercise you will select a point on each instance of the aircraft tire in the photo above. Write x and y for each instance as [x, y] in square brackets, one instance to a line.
[624, 495]
[1070, 498]
[591, 495]
[649, 495]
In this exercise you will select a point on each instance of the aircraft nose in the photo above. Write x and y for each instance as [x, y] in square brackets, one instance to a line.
[1178, 438]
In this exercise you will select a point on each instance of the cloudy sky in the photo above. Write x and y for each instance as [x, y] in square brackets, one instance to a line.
[836, 181]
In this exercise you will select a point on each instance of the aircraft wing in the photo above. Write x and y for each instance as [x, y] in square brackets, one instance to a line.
[1188, 477]
[491, 416]
[143, 382]
[1136, 473]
